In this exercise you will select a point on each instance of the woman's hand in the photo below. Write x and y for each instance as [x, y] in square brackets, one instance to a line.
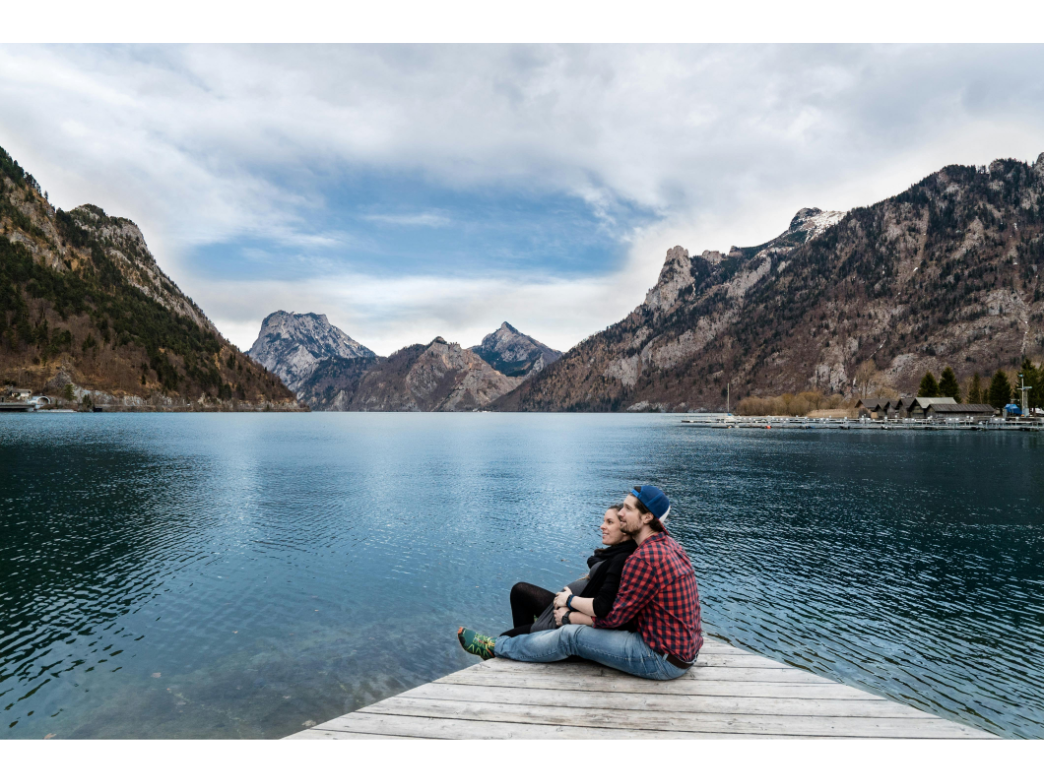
[561, 598]
[559, 614]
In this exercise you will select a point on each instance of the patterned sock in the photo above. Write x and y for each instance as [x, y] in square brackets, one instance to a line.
[475, 643]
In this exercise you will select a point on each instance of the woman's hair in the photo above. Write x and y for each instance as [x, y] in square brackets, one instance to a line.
[616, 507]
[655, 525]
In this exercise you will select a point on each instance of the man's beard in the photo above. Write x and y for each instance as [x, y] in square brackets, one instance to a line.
[625, 527]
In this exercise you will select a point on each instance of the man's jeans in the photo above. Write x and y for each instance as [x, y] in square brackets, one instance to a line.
[623, 650]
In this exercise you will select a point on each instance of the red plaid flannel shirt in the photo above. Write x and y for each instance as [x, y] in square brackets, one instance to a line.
[658, 586]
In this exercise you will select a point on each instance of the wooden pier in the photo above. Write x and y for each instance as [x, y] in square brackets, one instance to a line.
[729, 694]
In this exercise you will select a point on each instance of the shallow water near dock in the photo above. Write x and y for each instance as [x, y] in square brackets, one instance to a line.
[236, 575]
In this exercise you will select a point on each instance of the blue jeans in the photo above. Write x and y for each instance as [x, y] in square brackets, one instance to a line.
[623, 650]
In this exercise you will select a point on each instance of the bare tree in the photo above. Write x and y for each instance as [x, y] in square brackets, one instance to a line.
[864, 375]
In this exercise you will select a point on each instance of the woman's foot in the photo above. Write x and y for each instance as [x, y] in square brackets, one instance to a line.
[475, 643]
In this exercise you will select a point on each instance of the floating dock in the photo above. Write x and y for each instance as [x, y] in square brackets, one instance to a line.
[729, 694]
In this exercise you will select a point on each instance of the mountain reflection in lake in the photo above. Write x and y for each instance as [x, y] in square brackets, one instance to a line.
[235, 575]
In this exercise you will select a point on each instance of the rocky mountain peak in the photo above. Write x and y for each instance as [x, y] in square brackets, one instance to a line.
[812, 221]
[1039, 165]
[675, 275]
[439, 376]
[513, 353]
[293, 344]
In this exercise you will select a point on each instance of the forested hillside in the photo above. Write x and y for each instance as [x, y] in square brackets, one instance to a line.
[85, 311]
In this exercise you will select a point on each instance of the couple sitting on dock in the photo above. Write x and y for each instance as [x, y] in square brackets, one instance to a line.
[638, 610]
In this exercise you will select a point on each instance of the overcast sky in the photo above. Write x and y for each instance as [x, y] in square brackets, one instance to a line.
[415, 191]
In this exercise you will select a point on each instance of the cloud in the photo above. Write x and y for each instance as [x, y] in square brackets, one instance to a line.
[424, 219]
[704, 146]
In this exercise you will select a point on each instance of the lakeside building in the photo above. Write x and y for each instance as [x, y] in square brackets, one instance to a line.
[922, 408]
[886, 407]
[968, 410]
[874, 407]
[918, 408]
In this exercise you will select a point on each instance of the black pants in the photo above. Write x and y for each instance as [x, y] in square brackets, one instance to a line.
[527, 602]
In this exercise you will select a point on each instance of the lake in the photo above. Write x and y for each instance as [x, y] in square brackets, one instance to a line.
[239, 575]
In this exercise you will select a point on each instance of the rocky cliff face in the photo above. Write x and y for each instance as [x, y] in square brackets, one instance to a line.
[293, 344]
[946, 273]
[85, 310]
[514, 354]
[440, 376]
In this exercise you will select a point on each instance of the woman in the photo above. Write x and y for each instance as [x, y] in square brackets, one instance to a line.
[532, 607]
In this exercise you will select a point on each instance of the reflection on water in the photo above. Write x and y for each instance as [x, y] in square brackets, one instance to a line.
[229, 575]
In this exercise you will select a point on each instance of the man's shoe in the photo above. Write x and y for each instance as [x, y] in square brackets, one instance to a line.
[475, 643]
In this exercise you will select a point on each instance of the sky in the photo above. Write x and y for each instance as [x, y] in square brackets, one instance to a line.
[415, 191]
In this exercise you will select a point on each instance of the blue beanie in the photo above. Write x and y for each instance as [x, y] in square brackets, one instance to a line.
[654, 500]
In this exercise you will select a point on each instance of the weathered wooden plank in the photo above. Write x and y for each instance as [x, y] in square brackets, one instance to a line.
[773, 690]
[729, 693]
[738, 674]
[854, 727]
[407, 726]
[326, 734]
[711, 645]
[666, 702]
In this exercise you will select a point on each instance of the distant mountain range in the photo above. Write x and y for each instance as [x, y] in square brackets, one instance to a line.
[331, 371]
[87, 313]
[946, 273]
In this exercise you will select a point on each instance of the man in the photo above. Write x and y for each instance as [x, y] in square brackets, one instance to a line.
[657, 588]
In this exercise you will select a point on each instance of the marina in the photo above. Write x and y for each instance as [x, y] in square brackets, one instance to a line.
[728, 694]
[726, 422]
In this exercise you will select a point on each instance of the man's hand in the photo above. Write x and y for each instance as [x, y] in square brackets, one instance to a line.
[559, 614]
[561, 598]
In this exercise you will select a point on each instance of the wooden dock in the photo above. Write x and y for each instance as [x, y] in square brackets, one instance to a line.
[729, 694]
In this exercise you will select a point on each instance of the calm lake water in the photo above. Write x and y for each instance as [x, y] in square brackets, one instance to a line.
[236, 575]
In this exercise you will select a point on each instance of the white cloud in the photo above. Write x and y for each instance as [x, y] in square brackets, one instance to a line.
[206, 144]
[425, 219]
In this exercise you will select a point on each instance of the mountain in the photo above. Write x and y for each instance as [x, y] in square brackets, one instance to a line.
[944, 274]
[514, 354]
[293, 344]
[440, 376]
[85, 311]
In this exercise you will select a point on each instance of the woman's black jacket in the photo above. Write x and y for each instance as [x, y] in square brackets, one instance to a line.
[606, 567]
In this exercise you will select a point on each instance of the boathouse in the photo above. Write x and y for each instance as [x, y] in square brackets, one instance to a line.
[974, 410]
[918, 408]
[874, 407]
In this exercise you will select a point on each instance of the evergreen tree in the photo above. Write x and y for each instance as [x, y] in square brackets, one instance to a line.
[929, 386]
[1000, 390]
[948, 386]
[975, 393]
